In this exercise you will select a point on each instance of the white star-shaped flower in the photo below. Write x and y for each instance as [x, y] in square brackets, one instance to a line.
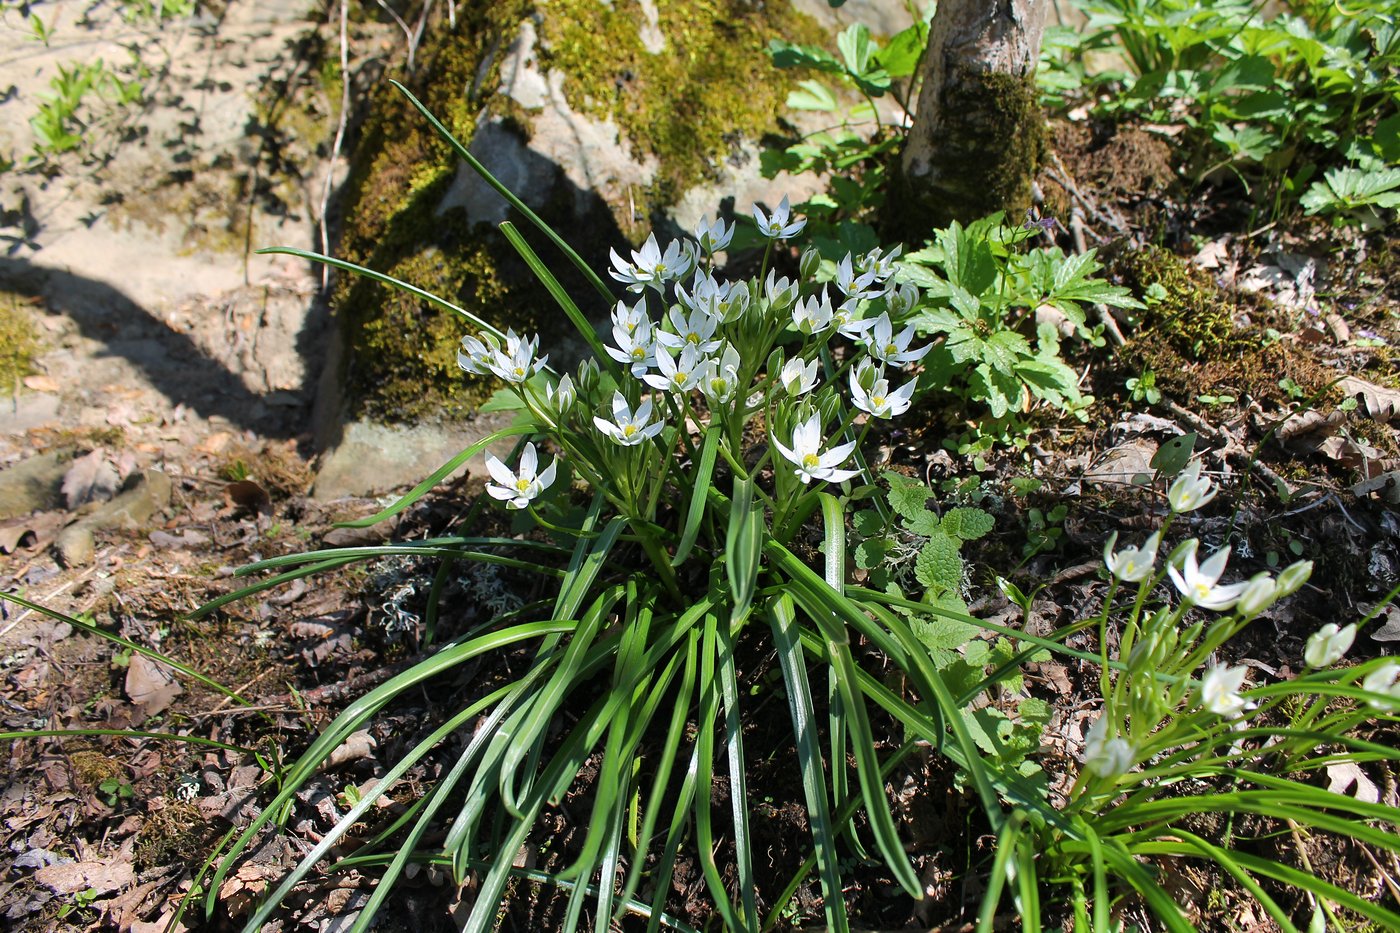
[678, 375]
[651, 267]
[1328, 644]
[807, 458]
[880, 401]
[778, 226]
[636, 348]
[719, 378]
[887, 347]
[521, 487]
[813, 315]
[714, 238]
[798, 378]
[695, 329]
[854, 284]
[1220, 691]
[1132, 564]
[1199, 584]
[627, 428]
[516, 362]
[1190, 490]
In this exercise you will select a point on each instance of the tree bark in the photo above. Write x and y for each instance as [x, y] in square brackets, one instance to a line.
[976, 138]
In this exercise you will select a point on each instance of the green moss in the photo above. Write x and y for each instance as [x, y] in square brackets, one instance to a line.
[1192, 313]
[19, 341]
[990, 138]
[403, 352]
[690, 103]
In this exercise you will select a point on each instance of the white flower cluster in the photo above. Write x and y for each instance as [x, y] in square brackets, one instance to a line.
[689, 333]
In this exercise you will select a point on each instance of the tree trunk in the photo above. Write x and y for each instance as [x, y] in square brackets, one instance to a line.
[976, 138]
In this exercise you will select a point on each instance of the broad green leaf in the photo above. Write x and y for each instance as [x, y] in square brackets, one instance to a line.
[901, 55]
[939, 565]
[967, 523]
[855, 47]
[939, 633]
[868, 522]
[1171, 458]
[812, 95]
[788, 55]
[906, 496]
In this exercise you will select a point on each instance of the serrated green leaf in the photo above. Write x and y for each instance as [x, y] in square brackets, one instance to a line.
[924, 523]
[868, 523]
[938, 633]
[1034, 710]
[871, 552]
[968, 523]
[939, 565]
[906, 496]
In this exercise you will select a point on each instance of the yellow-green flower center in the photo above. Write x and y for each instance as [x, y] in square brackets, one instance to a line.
[811, 461]
[629, 430]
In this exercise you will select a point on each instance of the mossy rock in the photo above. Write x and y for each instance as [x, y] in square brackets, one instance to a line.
[600, 116]
[19, 339]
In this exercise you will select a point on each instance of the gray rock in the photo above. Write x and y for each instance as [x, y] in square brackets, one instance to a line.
[75, 545]
[370, 459]
[33, 485]
[146, 493]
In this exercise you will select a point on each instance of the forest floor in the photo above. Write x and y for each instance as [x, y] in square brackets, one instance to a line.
[148, 506]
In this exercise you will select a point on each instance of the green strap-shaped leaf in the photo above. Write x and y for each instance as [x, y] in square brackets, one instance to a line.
[127, 643]
[389, 280]
[783, 621]
[744, 545]
[695, 511]
[561, 296]
[437, 476]
[506, 193]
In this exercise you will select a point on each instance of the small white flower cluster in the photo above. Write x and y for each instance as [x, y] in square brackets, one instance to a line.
[688, 333]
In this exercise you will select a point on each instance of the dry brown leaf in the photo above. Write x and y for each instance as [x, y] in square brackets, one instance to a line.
[150, 684]
[1341, 777]
[101, 877]
[41, 383]
[1310, 422]
[358, 745]
[1380, 403]
[91, 478]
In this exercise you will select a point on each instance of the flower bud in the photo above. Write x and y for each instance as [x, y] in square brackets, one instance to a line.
[1105, 754]
[562, 396]
[1328, 644]
[588, 377]
[1259, 594]
[809, 263]
[1293, 577]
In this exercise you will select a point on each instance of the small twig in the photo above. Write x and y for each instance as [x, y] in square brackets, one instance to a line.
[339, 136]
[1061, 175]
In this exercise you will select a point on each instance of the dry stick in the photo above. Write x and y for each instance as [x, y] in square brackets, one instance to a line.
[1234, 452]
[407, 33]
[339, 137]
[418, 33]
[1061, 175]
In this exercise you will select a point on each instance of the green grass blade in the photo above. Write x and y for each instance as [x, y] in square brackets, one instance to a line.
[1386, 919]
[561, 297]
[1225, 859]
[125, 733]
[1008, 840]
[358, 712]
[670, 749]
[127, 643]
[783, 621]
[386, 279]
[705, 745]
[506, 193]
[744, 544]
[435, 477]
[738, 788]
[834, 572]
[698, 494]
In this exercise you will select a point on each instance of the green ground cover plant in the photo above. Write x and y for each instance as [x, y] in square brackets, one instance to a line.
[720, 430]
[1301, 104]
